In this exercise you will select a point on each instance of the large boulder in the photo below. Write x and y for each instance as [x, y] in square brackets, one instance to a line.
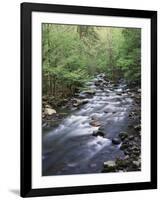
[98, 133]
[116, 141]
[49, 111]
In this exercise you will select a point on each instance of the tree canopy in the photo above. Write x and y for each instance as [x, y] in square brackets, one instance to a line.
[73, 54]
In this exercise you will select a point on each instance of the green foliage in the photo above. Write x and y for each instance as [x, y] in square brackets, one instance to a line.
[64, 61]
[130, 54]
[71, 55]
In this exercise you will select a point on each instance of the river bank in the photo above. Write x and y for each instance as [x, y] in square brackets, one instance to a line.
[130, 140]
[106, 117]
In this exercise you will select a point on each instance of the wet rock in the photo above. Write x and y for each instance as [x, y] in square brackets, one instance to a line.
[76, 104]
[86, 94]
[49, 111]
[119, 93]
[100, 80]
[126, 152]
[137, 127]
[102, 87]
[44, 124]
[97, 83]
[95, 117]
[44, 97]
[127, 90]
[79, 102]
[116, 141]
[123, 135]
[101, 128]
[47, 106]
[137, 163]
[44, 103]
[127, 157]
[109, 163]
[109, 166]
[106, 111]
[124, 146]
[98, 133]
[106, 79]
[65, 101]
[131, 137]
[136, 153]
[85, 101]
[89, 92]
[132, 114]
[101, 75]
[95, 123]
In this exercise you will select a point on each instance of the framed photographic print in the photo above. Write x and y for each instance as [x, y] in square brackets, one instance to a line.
[88, 99]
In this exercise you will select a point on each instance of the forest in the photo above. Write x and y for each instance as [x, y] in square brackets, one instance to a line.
[72, 55]
[91, 99]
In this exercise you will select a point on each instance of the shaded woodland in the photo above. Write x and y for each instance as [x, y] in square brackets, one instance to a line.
[72, 55]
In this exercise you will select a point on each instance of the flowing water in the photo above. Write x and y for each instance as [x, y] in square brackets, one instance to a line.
[72, 149]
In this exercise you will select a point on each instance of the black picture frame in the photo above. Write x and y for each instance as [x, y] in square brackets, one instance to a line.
[26, 103]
